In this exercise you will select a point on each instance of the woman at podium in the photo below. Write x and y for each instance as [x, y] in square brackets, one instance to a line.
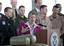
[29, 27]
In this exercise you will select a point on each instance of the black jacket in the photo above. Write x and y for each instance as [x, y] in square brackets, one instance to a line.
[7, 29]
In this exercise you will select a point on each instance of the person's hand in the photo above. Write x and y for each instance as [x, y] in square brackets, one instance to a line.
[24, 29]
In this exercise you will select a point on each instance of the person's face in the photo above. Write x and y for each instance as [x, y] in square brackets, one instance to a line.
[56, 10]
[60, 8]
[32, 18]
[0, 7]
[22, 10]
[9, 12]
[38, 4]
[13, 3]
[43, 10]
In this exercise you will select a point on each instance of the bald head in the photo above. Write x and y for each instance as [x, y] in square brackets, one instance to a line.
[13, 3]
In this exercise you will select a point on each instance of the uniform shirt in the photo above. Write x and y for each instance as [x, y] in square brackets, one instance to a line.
[62, 28]
[44, 23]
[7, 26]
[7, 29]
[1, 32]
[19, 19]
[55, 26]
[1, 17]
[56, 22]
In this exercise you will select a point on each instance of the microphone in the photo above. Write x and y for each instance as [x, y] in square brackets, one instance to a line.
[42, 25]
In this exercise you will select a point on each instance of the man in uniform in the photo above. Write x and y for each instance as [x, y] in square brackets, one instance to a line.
[56, 22]
[59, 5]
[43, 18]
[21, 17]
[62, 28]
[15, 11]
[7, 26]
[1, 32]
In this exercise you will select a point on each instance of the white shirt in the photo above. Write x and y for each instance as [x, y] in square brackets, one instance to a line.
[37, 10]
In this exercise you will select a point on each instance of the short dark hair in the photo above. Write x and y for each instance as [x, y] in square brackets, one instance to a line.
[55, 6]
[59, 5]
[21, 6]
[32, 13]
[6, 9]
[0, 3]
[43, 6]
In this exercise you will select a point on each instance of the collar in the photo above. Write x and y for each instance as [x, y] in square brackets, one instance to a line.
[37, 10]
[22, 16]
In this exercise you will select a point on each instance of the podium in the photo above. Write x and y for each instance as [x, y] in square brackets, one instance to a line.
[42, 37]
[25, 40]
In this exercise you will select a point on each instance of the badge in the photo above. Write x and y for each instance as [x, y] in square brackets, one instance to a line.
[54, 39]
[3, 22]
